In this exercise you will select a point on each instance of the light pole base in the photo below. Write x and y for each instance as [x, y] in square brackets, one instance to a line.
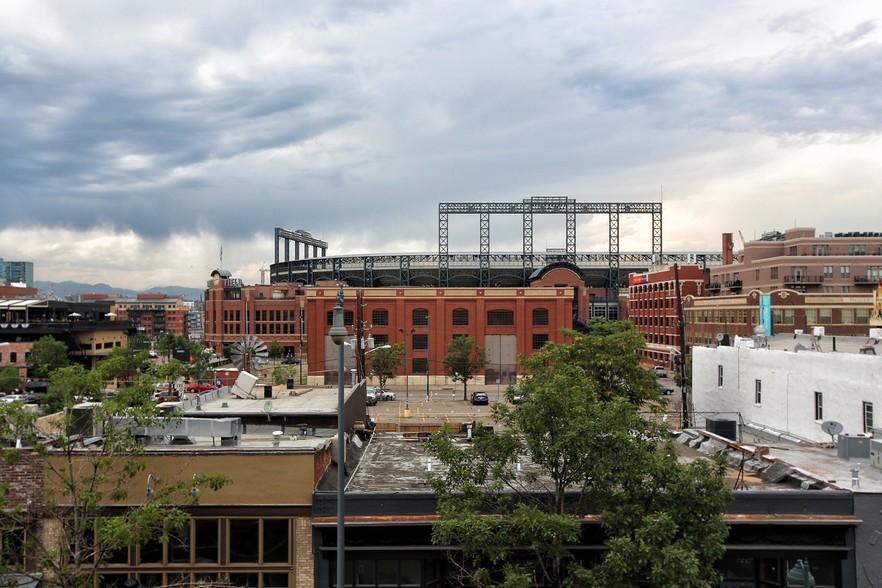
[407, 413]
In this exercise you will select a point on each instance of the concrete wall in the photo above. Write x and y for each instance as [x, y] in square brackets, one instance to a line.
[789, 382]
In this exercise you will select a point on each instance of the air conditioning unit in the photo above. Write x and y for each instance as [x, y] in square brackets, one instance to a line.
[726, 428]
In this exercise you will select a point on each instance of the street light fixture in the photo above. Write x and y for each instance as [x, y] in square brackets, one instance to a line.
[338, 335]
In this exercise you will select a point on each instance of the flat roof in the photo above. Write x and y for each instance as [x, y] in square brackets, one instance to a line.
[843, 343]
[221, 403]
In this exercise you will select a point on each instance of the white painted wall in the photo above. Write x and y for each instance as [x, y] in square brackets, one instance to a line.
[789, 381]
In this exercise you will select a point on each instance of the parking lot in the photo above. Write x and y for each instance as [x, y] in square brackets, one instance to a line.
[444, 405]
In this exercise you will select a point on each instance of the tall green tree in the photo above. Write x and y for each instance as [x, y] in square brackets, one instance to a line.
[124, 363]
[70, 384]
[9, 379]
[275, 349]
[169, 372]
[576, 458]
[385, 363]
[464, 359]
[80, 529]
[48, 354]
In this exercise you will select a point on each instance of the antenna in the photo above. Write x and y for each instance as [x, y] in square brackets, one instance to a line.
[222, 256]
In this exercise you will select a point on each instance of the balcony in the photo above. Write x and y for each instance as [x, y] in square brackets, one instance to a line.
[734, 285]
[867, 280]
[713, 287]
[803, 280]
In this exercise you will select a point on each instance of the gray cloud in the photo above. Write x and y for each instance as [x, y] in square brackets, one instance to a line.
[354, 120]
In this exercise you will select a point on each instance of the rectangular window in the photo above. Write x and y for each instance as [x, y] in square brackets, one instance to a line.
[380, 316]
[758, 391]
[420, 365]
[819, 406]
[868, 417]
[857, 249]
[811, 316]
[828, 271]
[419, 341]
[861, 316]
[539, 340]
[720, 376]
[826, 316]
[845, 271]
[847, 316]
[774, 272]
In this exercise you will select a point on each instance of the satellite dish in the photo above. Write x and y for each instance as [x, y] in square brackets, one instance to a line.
[832, 428]
[719, 337]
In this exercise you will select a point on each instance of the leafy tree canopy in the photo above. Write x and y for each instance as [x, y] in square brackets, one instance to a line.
[385, 363]
[80, 483]
[464, 359]
[9, 379]
[575, 461]
[604, 358]
[275, 349]
[48, 354]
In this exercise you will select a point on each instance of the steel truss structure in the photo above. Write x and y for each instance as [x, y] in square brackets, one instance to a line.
[488, 269]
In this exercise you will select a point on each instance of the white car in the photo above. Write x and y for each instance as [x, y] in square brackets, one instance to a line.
[659, 371]
[388, 395]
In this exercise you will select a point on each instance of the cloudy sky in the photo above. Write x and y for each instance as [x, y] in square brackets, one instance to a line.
[138, 138]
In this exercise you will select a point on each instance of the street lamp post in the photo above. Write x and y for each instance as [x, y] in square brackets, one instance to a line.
[338, 335]
[406, 372]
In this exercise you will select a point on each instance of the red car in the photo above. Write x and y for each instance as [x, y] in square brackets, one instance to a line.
[200, 387]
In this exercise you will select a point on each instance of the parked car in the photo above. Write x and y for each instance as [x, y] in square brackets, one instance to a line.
[665, 389]
[166, 396]
[659, 371]
[388, 395]
[480, 398]
[291, 360]
[26, 398]
[200, 387]
[372, 397]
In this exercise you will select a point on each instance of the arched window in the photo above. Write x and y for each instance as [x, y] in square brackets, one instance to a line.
[500, 318]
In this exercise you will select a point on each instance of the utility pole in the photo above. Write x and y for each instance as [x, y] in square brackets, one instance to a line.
[681, 332]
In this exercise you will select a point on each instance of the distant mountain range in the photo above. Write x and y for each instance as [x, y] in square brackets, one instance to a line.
[60, 290]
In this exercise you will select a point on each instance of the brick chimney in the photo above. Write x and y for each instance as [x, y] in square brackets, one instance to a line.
[728, 246]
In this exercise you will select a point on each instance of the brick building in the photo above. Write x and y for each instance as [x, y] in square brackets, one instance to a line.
[508, 322]
[791, 281]
[155, 314]
[652, 307]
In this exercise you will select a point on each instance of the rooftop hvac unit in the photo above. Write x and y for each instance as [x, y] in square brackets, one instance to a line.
[726, 428]
[853, 446]
[876, 453]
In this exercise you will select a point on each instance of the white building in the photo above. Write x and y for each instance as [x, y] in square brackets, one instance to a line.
[790, 391]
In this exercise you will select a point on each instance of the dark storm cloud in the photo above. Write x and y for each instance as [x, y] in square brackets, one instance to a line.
[217, 121]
